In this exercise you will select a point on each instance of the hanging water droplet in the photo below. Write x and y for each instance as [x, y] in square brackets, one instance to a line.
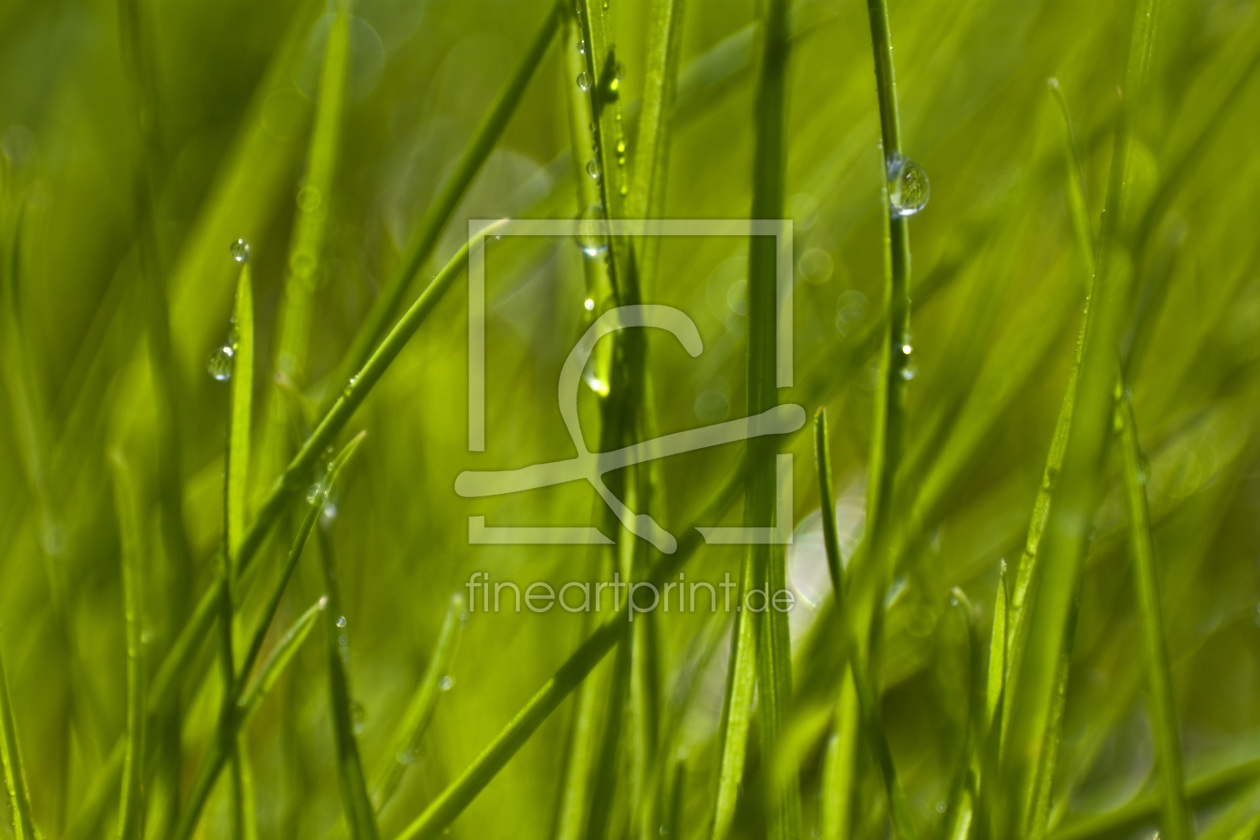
[589, 303]
[341, 621]
[592, 231]
[584, 81]
[316, 491]
[908, 187]
[592, 168]
[219, 364]
[446, 683]
[240, 251]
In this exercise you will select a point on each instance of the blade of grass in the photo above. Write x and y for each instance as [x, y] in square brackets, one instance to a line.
[230, 724]
[1175, 820]
[131, 802]
[425, 238]
[1077, 493]
[867, 702]
[236, 486]
[761, 645]
[360, 816]
[245, 706]
[415, 720]
[14, 772]
[448, 804]
[314, 199]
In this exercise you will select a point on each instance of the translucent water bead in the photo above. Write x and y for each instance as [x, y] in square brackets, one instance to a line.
[908, 186]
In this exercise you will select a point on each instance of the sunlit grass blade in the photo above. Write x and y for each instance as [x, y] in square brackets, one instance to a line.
[435, 218]
[131, 802]
[415, 720]
[240, 412]
[1175, 823]
[1077, 494]
[14, 772]
[314, 199]
[997, 653]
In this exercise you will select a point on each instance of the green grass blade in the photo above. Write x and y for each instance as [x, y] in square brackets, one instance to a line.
[1077, 494]
[356, 803]
[997, 653]
[1175, 822]
[14, 773]
[425, 238]
[241, 406]
[131, 807]
[306, 250]
[244, 709]
[866, 700]
[415, 720]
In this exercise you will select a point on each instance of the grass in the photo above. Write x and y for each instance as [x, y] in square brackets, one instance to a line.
[1014, 615]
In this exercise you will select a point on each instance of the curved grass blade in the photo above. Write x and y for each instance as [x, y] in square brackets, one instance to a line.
[415, 720]
[1175, 820]
[479, 147]
[131, 803]
[14, 773]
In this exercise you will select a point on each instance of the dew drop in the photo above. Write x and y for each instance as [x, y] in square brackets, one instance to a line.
[592, 231]
[341, 621]
[584, 81]
[240, 251]
[582, 47]
[358, 716]
[907, 349]
[909, 372]
[621, 147]
[219, 365]
[619, 73]
[908, 187]
[446, 683]
[329, 514]
[596, 384]
[406, 757]
[589, 303]
[592, 168]
[315, 491]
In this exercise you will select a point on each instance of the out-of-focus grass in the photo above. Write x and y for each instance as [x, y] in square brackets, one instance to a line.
[135, 149]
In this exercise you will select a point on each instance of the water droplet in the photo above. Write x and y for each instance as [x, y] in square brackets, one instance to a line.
[592, 168]
[446, 683]
[405, 757]
[907, 349]
[596, 384]
[584, 81]
[219, 364]
[908, 187]
[309, 199]
[316, 491]
[323, 602]
[592, 231]
[940, 807]
[358, 716]
[589, 303]
[329, 513]
[619, 73]
[341, 621]
[582, 47]
[240, 251]
[621, 147]
[909, 372]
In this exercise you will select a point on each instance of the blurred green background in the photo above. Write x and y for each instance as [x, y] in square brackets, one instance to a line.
[993, 337]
